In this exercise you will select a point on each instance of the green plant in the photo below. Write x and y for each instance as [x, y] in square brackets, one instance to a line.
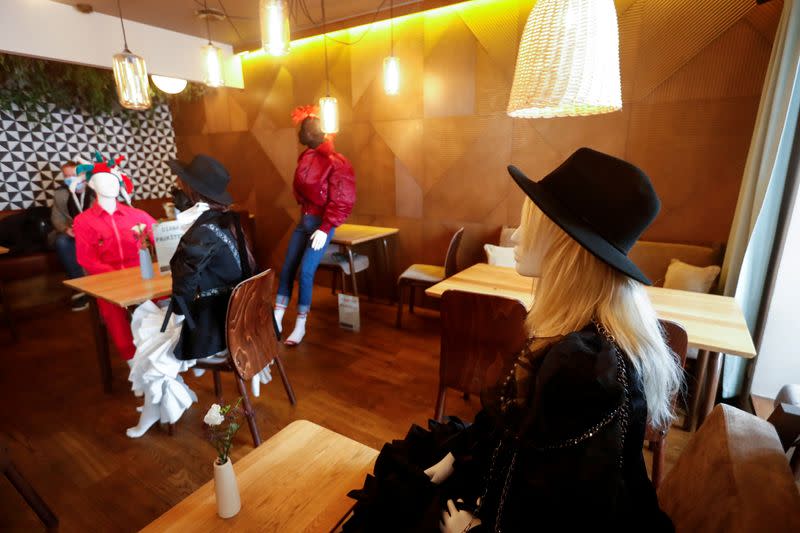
[31, 83]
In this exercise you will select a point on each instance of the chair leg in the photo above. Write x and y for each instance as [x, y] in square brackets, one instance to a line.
[440, 401]
[248, 412]
[411, 296]
[334, 281]
[400, 287]
[34, 501]
[285, 380]
[217, 386]
[658, 460]
[693, 411]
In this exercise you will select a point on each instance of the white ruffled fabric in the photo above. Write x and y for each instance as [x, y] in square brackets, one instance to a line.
[155, 371]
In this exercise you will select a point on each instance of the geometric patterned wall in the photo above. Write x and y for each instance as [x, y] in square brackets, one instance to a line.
[32, 151]
[433, 158]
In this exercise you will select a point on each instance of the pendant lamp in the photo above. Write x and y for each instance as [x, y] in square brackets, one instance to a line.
[212, 59]
[391, 65]
[167, 84]
[328, 106]
[130, 75]
[274, 21]
[568, 61]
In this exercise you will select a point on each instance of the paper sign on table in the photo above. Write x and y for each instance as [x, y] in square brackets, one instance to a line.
[167, 236]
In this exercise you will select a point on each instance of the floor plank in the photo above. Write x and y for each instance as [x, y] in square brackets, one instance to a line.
[68, 438]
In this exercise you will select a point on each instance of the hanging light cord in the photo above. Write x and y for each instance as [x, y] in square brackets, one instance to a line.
[208, 27]
[325, 45]
[391, 28]
[122, 23]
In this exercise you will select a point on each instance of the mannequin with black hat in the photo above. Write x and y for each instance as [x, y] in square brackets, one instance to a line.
[212, 257]
[558, 443]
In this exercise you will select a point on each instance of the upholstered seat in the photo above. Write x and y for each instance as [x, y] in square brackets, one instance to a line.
[424, 273]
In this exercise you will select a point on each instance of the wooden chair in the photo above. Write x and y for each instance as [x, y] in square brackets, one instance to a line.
[28, 493]
[480, 333]
[252, 342]
[678, 342]
[425, 276]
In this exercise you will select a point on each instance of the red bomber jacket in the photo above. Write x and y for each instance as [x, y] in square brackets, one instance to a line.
[325, 185]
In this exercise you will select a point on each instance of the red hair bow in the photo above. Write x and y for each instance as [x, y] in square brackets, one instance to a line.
[302, 112]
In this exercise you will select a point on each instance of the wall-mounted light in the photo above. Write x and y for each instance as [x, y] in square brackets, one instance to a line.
[167, 84]
[391, 65]
[274, 21]
[328, 106]
[568, 61]
[130, 75]
[212, 59]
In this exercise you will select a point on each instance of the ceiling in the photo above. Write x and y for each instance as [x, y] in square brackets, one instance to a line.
[241, 27]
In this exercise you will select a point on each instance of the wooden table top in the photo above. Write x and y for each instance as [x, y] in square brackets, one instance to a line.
[124, 287]
[297, 480]
[713, 322]
[352, 234]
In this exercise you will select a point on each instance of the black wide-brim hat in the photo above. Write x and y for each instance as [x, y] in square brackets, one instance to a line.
[205, 175]
[601, 201]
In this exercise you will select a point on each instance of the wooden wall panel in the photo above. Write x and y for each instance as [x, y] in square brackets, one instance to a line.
[433, 158]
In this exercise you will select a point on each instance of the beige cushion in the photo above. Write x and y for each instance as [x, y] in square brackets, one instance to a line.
[505, 237]
[426, 273]
[653, 258]
[499, 255]
[732, 477]
[687, 277]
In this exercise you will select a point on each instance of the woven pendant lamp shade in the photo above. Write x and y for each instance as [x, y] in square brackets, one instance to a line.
[568, 61]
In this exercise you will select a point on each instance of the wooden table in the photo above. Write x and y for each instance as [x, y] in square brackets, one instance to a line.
[715, 324]
[296, 481]
[124, 288]
[349, 235]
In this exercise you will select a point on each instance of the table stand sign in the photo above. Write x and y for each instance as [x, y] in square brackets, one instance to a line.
[349, 313]
[167, 236]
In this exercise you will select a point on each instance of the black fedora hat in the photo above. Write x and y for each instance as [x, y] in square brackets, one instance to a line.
[205, 175]
[601, 201]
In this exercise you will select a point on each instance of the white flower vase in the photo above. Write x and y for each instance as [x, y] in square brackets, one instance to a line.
[227, 489]
[146, 264]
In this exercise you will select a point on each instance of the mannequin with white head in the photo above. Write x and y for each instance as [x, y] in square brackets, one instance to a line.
[107, 187]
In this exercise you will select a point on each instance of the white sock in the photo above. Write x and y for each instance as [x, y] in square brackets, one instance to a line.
[279, 311]
[151, 413]
[299, 330]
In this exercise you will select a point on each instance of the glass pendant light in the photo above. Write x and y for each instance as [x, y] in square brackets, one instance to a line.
[568, 61]
[212, 59]
[167, 84]
[130, 75]
[274, 20]
[391, 65]
[328, 106]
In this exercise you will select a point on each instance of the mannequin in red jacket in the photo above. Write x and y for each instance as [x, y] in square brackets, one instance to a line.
[325, 189]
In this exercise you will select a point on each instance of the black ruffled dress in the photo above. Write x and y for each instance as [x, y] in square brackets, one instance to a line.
[556, 447]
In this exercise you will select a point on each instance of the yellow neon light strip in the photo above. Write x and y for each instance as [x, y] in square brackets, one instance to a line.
[338, 34]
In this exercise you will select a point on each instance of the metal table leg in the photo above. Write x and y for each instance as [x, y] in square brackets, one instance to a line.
[352, 270]
[714, 372]
[693, 414]
[101, 344]
[389, 266]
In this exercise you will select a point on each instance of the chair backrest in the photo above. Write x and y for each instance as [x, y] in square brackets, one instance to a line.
[252, 342]
[480, 333]
[451, 259]
[677, 339]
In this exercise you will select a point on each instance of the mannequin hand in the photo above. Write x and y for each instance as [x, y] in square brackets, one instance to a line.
[318, 240]
[455, 521]
[441, 470]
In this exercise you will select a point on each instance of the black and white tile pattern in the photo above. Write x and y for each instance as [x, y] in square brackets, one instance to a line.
[32, 149]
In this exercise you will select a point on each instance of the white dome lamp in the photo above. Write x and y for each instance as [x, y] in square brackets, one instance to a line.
[167, 84]
[568, 61]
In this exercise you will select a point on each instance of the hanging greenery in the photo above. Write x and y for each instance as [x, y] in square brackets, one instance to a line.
[31, 83]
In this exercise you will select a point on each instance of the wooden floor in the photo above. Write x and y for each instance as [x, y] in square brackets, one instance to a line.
[68, 438]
